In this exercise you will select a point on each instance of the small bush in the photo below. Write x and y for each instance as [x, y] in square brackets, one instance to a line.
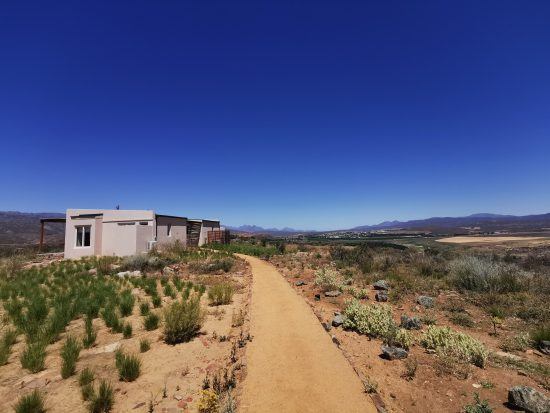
[220, 294]
[539, 335]
[327, 278]
[8, 340]
[135, 263]
[31, 403]
[111, 319]
[127, 330]
[144, 308]
[33, 357]
[144, 345]
[69, 354]
[209, 402]
[479, 406]
[411, 365]
[169, 290]
[157, 302]
[126, 304]
[128, 366]
[520, 342]
[151, 321]
[86, 377]
[461, 319]
[103, 400]
[449, 343]
[212, 265]
[90, 334]
[372, 320]
[182, 320]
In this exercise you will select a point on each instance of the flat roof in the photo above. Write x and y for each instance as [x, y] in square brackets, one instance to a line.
[169, 216]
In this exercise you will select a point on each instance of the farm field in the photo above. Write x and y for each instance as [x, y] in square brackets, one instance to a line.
[497, 240]
[164, 332]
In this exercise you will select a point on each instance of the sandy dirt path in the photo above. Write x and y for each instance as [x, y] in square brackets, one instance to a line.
[292, 364]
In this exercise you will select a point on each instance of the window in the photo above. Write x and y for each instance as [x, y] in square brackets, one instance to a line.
[169, 230]
[83, 235]
[143, 223]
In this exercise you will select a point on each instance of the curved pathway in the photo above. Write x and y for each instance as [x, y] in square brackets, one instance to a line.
[293, 366]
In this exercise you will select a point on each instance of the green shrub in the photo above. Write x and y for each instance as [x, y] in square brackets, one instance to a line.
[450, 343]
[169, 291]
[144, 308]
[520, 342]
[135, 263]
[87, 392]
[103, 400]
[479, 406]
[69, 354]
[126, 304]
[31, 403]
[127, 330]
[481, 274]
[220, 294]
[8, 340]
[373, 320]
[90, 334]
[212, 265]
[182, 320]
[540, 334]
[33, 357]
[86, 377]
[144, 345]
[151, 321]
[128, 366]
[157, 302]
[327, 278]
[461, 319]
[111, 319]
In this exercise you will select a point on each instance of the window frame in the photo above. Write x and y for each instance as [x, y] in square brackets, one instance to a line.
[80, 231]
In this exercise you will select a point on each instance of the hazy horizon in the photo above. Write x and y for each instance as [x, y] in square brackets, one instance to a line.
[309, 115]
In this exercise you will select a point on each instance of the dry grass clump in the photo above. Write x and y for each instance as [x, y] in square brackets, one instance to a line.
[519, 342]
[220, 294]
[103, 400]
[69, 354]
[212, 265]
[128, 365]
[31, 403]
[8, 340]
[144, 345]
[183, 320]
[327, 278]
[33, 357]
[151, 321]
[450, 343]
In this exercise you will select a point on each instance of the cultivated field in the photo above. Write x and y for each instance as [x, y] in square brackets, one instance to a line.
[496, 240]
[162, 332]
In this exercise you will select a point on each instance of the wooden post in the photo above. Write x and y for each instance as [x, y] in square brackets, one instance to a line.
[41, 235]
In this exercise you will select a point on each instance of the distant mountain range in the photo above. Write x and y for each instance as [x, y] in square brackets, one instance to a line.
[23, 228]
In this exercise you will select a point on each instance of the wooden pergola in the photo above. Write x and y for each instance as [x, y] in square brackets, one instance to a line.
[42, 222]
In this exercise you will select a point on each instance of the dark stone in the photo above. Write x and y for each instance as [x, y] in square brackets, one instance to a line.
[425, 301]
[544, 347]
[381, 285]
[381, 296]
[326, 326]
[338, 320]
[394, 353]
[336, 341]
[317, 297]
[300, 283]
[334, 293]
[528, 399]
[410, 323]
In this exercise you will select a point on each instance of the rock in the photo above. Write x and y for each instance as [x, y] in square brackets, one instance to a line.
[92, 271]
[137, 406]
[381, 285]
[338, 320]
[317, 297]
[528, 399]
[334, 293]
[326, 326]
[300, 283]
[109, 348]
[476, 385]
[123, 274]
[336, 341]
[410, 323]
[178, 397]
[425, 301]
[381, 296]
[545, 347]
[394, 353]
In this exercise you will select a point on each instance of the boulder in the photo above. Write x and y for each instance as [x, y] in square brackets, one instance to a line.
[381, 296]
[334, 293]
[300, 283]
[394, 353]
[528, 399]
[425, 301]
[92, 271]
[381, 285]
[544, 347]
[123, 274]
[410, 323]
[338, 320]
[326, 326]
[317, 297]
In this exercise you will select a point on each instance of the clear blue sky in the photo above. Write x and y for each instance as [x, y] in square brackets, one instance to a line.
[314, 115]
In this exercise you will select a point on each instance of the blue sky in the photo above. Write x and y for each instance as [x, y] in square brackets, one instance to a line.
[313, 115]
